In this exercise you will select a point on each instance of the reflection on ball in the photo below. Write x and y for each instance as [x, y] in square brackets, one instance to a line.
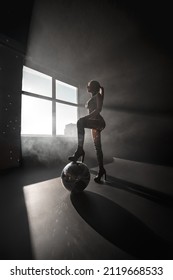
[75, 176]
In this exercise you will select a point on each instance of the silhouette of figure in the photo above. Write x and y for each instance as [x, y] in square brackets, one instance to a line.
[94, 121]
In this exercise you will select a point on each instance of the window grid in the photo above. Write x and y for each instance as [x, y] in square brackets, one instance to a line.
[54, 102]
[53, 107]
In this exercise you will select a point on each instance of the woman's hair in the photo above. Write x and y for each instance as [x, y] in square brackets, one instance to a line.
[94, 86]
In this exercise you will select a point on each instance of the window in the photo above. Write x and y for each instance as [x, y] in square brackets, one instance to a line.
[49, 106]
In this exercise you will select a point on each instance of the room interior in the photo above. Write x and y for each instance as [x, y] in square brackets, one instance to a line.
[127, 47]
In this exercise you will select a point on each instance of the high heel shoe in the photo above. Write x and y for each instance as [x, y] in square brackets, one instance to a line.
[101, 173]
[78, 153]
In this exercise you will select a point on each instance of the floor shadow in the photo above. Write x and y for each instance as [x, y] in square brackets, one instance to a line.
[15, 242]
[120, 227]
[153, 195]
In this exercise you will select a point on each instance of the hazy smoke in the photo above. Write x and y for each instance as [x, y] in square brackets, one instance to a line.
[48, 149]
[110, 48]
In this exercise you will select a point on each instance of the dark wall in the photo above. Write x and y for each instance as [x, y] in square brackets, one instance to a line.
[127, 47]
[11, 63]
[15, 19]
[14, 28]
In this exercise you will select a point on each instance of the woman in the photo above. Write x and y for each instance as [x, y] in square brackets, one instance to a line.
[94, 121]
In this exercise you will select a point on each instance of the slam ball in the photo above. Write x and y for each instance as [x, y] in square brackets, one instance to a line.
[75, 176]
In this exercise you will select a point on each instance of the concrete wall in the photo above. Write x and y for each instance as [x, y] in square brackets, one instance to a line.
[128, 49]
[11, 62]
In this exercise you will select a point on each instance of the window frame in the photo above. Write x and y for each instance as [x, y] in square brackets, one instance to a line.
[53, 99]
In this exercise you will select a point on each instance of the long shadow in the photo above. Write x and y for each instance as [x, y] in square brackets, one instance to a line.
[120, 227]
[153, 195]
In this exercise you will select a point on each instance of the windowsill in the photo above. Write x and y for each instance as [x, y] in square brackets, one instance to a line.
[48, 136]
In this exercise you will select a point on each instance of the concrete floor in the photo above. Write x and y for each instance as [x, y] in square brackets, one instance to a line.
[127, 217]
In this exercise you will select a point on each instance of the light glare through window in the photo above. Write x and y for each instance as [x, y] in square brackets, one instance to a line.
[65, 115]
[36, 116]
[44, 97]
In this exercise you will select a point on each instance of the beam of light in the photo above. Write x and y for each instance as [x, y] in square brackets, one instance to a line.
[65, 115]
[36, 116]
[50, 193]
[66, 92]
[36, 82]
[37, 113]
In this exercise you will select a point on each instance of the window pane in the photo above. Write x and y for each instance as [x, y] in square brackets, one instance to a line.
[66, 92]
[36, 116]
[66, 118]
[36, 82]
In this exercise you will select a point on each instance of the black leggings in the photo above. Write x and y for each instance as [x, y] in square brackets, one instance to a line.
[97, 125]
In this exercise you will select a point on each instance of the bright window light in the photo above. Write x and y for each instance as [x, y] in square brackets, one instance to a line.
[36, 82]
[66, 92]
[65, 115]
[36, 116]
[39, 101]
